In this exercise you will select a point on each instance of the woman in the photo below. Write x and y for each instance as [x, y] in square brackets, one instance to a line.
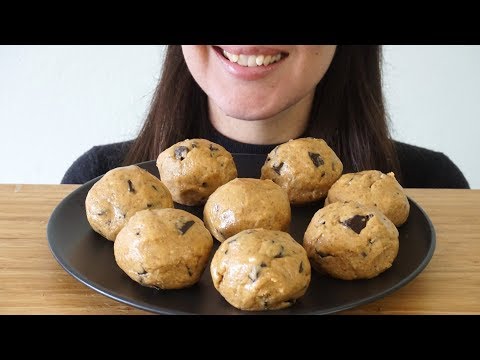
[251, 98]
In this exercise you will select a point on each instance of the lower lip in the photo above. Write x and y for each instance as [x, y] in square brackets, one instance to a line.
[246, 72]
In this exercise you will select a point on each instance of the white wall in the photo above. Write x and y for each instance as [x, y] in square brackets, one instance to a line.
[433, 96]
[56, 102]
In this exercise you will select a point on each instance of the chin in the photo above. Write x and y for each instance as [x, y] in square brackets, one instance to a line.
[248, 116]
[251, 112]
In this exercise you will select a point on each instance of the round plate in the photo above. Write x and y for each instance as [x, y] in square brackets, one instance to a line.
[89, 258]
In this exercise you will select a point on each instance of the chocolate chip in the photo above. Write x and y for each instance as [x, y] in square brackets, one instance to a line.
[277, 168]
[323, 174]
[154, 187]
[149, 205]
[213, 148]
[356, 223]
[371, 241]
[300, 269]
[321, 254]
[316, 159]
[181, 152]
[204, 184]
[226, 252]
[364, 254]
[263, 264]
[186, 226]
[130, 187]
[280, 253]
[268, 159]
[254, 274]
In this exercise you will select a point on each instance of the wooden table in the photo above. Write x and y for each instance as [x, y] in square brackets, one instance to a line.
[32, 282]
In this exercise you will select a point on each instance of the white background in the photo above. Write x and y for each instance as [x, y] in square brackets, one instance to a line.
[56, 102]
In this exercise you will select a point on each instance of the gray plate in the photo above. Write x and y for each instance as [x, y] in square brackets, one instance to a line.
[89, 258]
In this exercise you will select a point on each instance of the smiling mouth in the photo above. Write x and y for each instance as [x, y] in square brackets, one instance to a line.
[252, 60]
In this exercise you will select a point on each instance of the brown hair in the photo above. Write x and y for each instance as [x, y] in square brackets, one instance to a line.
[348, 111]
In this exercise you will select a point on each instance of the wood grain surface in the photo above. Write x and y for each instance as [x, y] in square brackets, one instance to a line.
[32, 282]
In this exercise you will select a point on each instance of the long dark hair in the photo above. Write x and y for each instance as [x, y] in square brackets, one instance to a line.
[348, 111]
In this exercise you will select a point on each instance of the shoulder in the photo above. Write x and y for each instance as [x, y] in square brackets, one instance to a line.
[96, 161]
[425, 168]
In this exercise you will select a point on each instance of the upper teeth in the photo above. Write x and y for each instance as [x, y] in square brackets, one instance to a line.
[252, 60]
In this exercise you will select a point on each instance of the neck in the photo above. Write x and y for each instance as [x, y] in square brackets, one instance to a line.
[289, 124]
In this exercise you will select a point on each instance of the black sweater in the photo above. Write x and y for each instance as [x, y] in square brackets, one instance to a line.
[421, 168]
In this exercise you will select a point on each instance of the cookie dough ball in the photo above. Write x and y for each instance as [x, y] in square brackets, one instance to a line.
[305, 168]
[351, 241]
[246, 203]
[261, 269]
[119, 194]
[193, 169]
[163, 248]
[372, 188]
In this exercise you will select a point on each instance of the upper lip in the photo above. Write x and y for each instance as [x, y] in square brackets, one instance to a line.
[252, 50]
